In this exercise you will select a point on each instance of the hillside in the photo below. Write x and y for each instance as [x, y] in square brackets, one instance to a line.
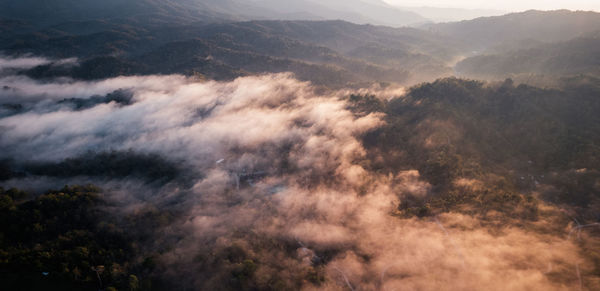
[546, 26]
[356, 11]
[43, 13]
[529, 140]
[573, 57]
[184, 11]
[328, 52]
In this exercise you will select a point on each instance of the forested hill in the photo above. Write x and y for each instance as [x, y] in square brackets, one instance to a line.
[573, 57]
[44, 13]
[528, 139]
[145, 12]
[546, 26]
[326, 52]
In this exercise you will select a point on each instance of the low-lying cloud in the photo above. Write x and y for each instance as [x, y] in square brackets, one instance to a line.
[9, 65]
[267, 161]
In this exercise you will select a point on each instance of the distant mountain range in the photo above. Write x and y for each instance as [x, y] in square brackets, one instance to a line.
[357, 11]
[325, 52]
[577, 56]
[438, 14]
[208, 37]
[185, 11]
[547, 26]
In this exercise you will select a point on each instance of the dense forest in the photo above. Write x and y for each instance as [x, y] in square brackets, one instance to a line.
[65, 239]
[515, 137]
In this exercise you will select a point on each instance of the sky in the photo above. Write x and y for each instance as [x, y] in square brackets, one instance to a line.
[507, 5]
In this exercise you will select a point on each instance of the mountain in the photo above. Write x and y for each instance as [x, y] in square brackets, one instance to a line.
[573, 57]
[548, 26]
[438, 14]
[325, 52]
[357, 11]
[43, 12]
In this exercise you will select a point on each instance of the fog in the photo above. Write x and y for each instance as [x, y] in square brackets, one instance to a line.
[511, 5]
[270, 164]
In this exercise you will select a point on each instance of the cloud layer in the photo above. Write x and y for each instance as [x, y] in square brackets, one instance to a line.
[269, 162]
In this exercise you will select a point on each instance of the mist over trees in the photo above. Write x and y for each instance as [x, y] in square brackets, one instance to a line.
[574, 57]
[224, 145]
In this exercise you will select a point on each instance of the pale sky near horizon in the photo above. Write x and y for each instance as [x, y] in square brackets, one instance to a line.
[507, 5]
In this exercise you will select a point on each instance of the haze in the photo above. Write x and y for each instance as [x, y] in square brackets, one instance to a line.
[506, 5]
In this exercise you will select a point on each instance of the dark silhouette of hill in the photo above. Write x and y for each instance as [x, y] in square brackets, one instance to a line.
[145, 11]
[182, 11]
